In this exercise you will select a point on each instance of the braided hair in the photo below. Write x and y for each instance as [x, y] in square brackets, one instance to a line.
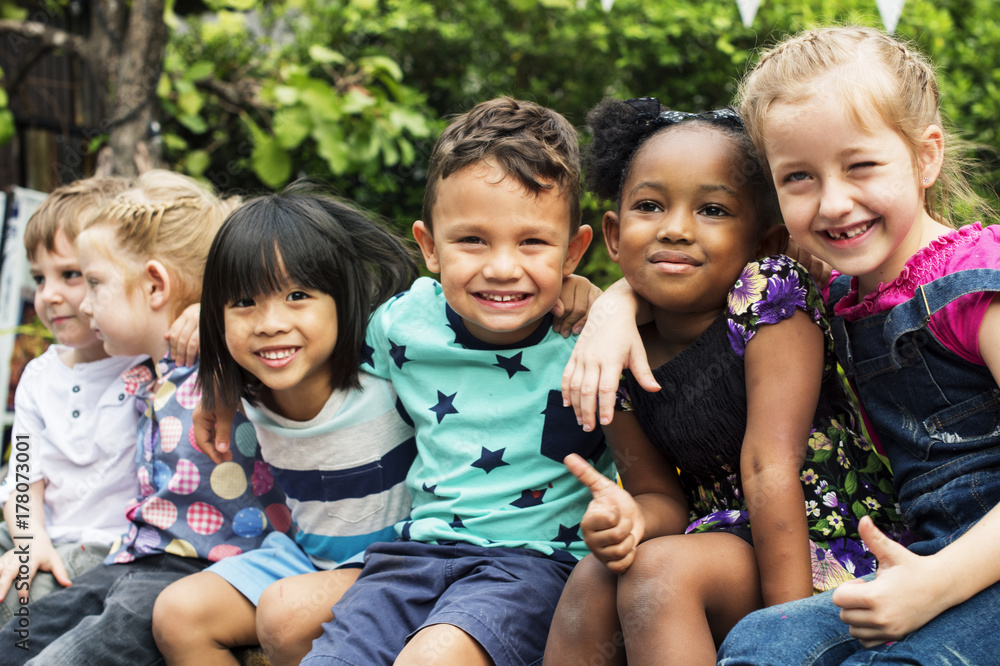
[872, 72]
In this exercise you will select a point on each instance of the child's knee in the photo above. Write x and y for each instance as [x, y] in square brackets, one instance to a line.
[277, 628]
[170, 616]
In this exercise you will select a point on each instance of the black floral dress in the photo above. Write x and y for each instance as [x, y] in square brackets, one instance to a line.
[698, 421]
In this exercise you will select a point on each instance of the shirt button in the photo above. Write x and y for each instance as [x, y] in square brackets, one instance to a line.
[76, 389]
[121, 396]
[76, 413]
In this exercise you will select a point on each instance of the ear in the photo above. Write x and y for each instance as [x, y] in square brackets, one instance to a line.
[156, 284]
[931, 155]
[578, 244]
[425, 240]
[612, 227]
[774, 240]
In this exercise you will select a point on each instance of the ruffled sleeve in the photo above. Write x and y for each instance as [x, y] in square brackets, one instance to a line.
[769, 291]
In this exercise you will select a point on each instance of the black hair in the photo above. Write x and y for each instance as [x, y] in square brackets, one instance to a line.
[312, 239]
[621, 128]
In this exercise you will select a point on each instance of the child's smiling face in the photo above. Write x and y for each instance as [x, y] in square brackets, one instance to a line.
[851, 195]
[502, 252]
[686, 225]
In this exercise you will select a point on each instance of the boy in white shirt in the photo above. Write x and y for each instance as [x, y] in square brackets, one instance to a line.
[72, 462]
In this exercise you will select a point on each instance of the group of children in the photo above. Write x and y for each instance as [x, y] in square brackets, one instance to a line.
[414, 474]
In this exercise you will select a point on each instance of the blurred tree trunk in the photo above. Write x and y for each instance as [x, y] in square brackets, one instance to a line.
[124, 49]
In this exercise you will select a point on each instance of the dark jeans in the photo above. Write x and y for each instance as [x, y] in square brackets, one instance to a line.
[105, 618]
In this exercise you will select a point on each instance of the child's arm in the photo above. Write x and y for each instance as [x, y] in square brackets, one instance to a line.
[42, 554]
[609, 343]
[213, 430]
[911, 590]
[570, 311]
[653, 505]
[183, 336]
[784, 371]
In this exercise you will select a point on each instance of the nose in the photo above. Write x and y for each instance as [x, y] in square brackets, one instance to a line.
[835, 201]
[271, 319]
[86, 307]
[49, 292]
[677, 226]
[503, 264]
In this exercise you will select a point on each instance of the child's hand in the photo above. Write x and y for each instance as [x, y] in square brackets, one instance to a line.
[183, 336]
[899, 601]
[43, 557]
[609, 343]
[613, 525]
[570, 311]
[819, 269]
[212, 431]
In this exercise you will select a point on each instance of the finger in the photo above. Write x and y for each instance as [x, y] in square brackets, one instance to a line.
[597, 483]
[621, 566]
[607, 396]
[58, 570]
[192, 351]
[567, 377]
[585, 398]
[599, 525]
[640, 370]
[885, 550]
[8, 569]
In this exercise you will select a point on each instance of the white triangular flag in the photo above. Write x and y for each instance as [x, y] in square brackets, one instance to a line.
[890, 10]
[607, 4]
[748, 10]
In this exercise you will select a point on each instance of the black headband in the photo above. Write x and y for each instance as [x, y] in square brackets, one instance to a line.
[650, 114]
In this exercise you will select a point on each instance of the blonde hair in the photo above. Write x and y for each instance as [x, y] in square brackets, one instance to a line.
[874, 73]
[168, 217]
[69, 208]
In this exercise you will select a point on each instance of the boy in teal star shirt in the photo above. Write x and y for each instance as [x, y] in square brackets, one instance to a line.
[478, 567]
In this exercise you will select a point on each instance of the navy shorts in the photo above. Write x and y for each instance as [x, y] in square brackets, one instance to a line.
[502, 597]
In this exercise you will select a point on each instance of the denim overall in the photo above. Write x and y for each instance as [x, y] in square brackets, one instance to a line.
[937, 416]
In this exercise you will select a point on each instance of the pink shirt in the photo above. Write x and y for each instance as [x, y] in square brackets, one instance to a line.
[956, 325]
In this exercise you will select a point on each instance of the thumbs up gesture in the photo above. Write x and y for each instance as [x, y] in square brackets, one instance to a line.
[905, 595]
[613, 524]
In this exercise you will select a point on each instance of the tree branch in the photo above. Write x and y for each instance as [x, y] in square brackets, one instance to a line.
[50, 38]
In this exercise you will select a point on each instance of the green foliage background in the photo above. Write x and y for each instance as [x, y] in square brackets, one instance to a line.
[355, 91]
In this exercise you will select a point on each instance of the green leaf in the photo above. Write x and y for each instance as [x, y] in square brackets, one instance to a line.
[163, 87]
[196, 162]
[375, 64]
[356, 101]
[95, 144]
[270, 162]
[859, 510]
[190, 102]
[326, 56]
[333, 150]
[851, 483]
[199, 70]
[6, 126]
[291, 126]
[194, 123]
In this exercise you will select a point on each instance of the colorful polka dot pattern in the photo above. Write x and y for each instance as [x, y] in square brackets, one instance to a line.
[228, 480]
[280, 516]
[186, 479]
[204, 518]
[190, 506]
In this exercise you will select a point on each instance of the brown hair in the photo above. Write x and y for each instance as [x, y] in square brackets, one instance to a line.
[69, 208]
[170, 217]
[535, 145]
[874, 73]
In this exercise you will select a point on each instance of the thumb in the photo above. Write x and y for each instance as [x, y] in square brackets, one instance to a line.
[885, 550]
[640, 370]
[597, 483]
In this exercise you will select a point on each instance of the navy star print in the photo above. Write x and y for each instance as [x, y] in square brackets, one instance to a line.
[568, 534]
[430, 489]
[398, 354]
[444, 405]
[457, 522]
[529, 498]
[367, 354]
[512, 365]
[490, 460]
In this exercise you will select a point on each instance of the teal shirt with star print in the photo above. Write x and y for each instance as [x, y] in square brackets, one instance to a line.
[490, 426]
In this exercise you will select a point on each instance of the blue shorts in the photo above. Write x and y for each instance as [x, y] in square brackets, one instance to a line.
[251, 572]
[503, 597]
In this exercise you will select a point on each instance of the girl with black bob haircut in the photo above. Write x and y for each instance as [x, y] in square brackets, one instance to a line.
[290, 282]
[312, 239]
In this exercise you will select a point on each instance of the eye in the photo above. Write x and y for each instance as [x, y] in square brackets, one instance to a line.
[39, 280]
[242, 303]
[796, 177]
[471, 240]
[533, 241]
[648, 207]
[297, 296]
[713, 210]
[92, 282]
[71, 275]
[863, 165]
